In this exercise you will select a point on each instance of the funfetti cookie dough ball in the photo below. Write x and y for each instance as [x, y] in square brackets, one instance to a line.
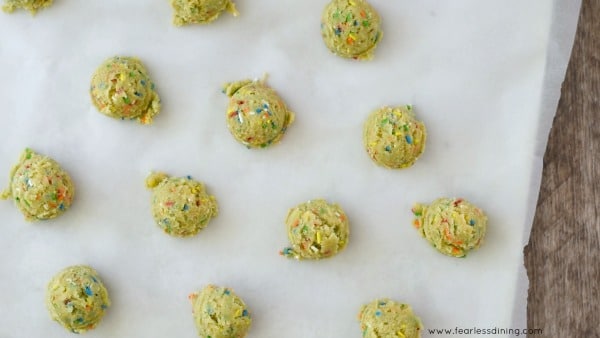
[219, 313]
[387, 318]
[77, 299]
[31, 5]
[122, 89]
[256, 116]
[393, 137]
[199, 11]
[180, 205]
[351, 28]
[39, 186]
[316, 230]
[452, 225]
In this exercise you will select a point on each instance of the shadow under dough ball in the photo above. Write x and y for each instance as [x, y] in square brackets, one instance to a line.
[39, 186]
[388, 318]
[351, 28]
[316, 230]
[180, 205]
[219, 313]
[77, 299]
[122, 89]
[453, 226]
[187, 12]
[393, 137]
[256, 116]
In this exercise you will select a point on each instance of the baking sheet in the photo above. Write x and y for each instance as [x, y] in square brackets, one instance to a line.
[483, 76]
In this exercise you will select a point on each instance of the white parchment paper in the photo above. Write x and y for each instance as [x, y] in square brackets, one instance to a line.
[483, 76]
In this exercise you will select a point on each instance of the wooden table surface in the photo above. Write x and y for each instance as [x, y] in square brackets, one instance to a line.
[563, 254]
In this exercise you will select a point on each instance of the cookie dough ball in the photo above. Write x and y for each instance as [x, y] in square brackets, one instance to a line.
[393, 137]
[452, 225]
[256, 115]
[31, 5]
[219, 313]
[199, 11]
[316, 230]
[351, 28]
[40, 188]
[180, 205]
[122, 89]
[387, 318]
[77, 299]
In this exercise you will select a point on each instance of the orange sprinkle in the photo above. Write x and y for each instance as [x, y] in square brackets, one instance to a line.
[296, 222]
[416, 223]
[349, 40]
[363, 14]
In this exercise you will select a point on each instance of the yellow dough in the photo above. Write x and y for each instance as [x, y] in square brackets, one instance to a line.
[316, 230]
[393, 137]
[452, 225]
[219, 313]
[77, 299]
[351, 28]
[180, 205]
[39, 186]
[31, 5]
[256, 116]
[122, 89]
[385, 318]
[200, 11]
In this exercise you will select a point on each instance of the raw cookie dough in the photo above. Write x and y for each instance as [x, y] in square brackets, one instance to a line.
[31, 5]
[393, 137]
[351, 28]
[256, 115]
[200, 11]
[219, 313]
[180, 205]
[39, 186]
[122, 89]
[452, 225]
[316, 230]
[77, 299]
[387, 318]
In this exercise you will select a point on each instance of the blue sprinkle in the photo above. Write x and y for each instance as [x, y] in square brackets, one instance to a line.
[143, 82]
[185, 207]
[265, 106]
[378, 313]
[408, 139]
[137, 94]
[88, 291]
[382, 303]
[165, 221]
[94, 279]
[338, 31]
[472, 222]
[245, 313]
[355, 23]
[226, 291]
[61, 206]
[104, 306]
[388, 148]
[188, 177]
[79, 320]
[258, 110]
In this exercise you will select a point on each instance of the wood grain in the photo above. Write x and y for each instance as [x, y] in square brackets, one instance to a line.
[563, 254]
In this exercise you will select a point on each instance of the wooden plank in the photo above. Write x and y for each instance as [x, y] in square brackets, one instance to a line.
[563, 254]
